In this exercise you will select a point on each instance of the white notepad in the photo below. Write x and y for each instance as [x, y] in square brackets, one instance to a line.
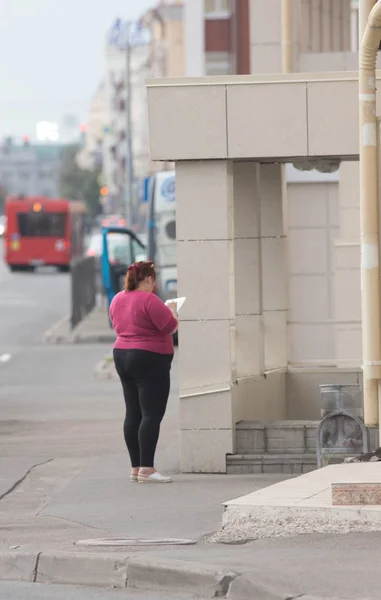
[178, 301]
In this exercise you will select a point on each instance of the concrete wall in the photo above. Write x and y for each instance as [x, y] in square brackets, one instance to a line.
[175, 44]
[313, 226]
[322, 30]
[240, 117]
[303, 392]
[269, 118]
[347, 276]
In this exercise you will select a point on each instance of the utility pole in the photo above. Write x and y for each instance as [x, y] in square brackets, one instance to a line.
[129, 174]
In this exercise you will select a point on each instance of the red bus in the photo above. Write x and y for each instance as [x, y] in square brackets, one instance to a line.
[41, 231]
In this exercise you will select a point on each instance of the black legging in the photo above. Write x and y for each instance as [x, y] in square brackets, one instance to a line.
[145, 378]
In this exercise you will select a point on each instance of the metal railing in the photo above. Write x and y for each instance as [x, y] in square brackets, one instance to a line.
[83, 288]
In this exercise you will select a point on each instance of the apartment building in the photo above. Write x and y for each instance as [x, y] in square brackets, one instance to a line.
[30, 169]
[91, 153]
[325, 39]
[314, 334]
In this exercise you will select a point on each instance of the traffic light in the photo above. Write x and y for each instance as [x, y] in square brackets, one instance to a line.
[104, 191]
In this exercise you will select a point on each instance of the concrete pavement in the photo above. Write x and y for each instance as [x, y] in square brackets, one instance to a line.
[29, 591]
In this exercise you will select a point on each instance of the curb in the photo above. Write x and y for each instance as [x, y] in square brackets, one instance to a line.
[91, 338]
[143, 573]
[58, 333]
[104, 570]
[61, 333]
[244, 588]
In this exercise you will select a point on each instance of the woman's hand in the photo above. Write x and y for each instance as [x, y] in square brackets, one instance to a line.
[173, 308]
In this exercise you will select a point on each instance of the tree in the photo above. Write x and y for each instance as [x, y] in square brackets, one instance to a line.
[79, 184]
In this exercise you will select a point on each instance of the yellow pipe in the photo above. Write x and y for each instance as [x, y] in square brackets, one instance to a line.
[370, 268]
[365, 8]
[287, 37]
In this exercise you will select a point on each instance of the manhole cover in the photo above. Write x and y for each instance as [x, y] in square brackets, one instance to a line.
[136, 542]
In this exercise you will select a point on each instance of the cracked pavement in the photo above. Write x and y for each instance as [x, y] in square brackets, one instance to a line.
[54, 417]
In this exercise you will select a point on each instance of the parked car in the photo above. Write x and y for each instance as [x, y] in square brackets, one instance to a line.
[118, 250]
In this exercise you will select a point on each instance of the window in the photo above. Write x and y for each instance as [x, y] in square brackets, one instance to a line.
[137, 251]
[217, 8]
[119, 249]
[42, 224]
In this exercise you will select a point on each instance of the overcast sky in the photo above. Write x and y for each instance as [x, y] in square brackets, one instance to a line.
[51, 57]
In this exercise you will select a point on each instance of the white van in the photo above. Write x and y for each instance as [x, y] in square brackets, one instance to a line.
[162, 232]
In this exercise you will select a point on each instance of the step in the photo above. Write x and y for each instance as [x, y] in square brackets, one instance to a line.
[275, 437]
[286, 464]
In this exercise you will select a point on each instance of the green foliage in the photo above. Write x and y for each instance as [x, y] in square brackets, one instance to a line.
[77, 183]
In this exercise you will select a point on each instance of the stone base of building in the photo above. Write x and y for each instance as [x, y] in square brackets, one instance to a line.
[284, 447]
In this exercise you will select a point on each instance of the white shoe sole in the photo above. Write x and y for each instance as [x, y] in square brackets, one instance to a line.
[148, 480]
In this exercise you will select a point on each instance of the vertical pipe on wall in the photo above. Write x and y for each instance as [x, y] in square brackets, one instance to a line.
[287, 37]
[370, 269]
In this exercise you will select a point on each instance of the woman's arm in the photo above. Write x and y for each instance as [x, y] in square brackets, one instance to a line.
[111, 311]
[162, 317]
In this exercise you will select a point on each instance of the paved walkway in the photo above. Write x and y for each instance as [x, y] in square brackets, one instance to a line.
[64, 479]
[313, 491]
[94, 328]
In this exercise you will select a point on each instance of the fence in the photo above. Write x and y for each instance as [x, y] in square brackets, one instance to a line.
[83, 288]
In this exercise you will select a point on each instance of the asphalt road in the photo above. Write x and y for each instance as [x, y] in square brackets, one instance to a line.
[28, 303]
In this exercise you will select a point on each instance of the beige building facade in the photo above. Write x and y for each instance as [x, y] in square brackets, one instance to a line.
[272, 270]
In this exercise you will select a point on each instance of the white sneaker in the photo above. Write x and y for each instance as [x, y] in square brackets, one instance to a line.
[154, 478]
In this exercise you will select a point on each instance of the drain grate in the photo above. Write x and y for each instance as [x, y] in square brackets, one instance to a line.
[135, 542]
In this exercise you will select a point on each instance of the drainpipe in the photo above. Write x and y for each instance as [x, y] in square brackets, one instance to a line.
[287, 37]
[370, 268]
[364, 10]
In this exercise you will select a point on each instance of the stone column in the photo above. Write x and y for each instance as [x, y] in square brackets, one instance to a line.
[260, 292]
[231, 267]
[348, 271]
[205, 258]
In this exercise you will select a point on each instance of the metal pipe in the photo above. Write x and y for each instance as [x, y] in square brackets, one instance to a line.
[364, 10]
[287, 37]
[370, 267]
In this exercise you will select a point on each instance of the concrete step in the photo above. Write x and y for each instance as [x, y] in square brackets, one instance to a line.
[276, 437]
[286, 464]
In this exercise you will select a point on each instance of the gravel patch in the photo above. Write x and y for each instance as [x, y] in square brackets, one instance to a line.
[261, 524]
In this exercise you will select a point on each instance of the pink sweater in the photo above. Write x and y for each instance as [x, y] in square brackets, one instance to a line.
[142, 322]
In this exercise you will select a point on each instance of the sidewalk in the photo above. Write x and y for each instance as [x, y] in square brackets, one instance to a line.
[67, 501]
[65, 479]
[94, 328]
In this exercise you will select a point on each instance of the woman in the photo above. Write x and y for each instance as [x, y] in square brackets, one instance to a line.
[143, 354]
